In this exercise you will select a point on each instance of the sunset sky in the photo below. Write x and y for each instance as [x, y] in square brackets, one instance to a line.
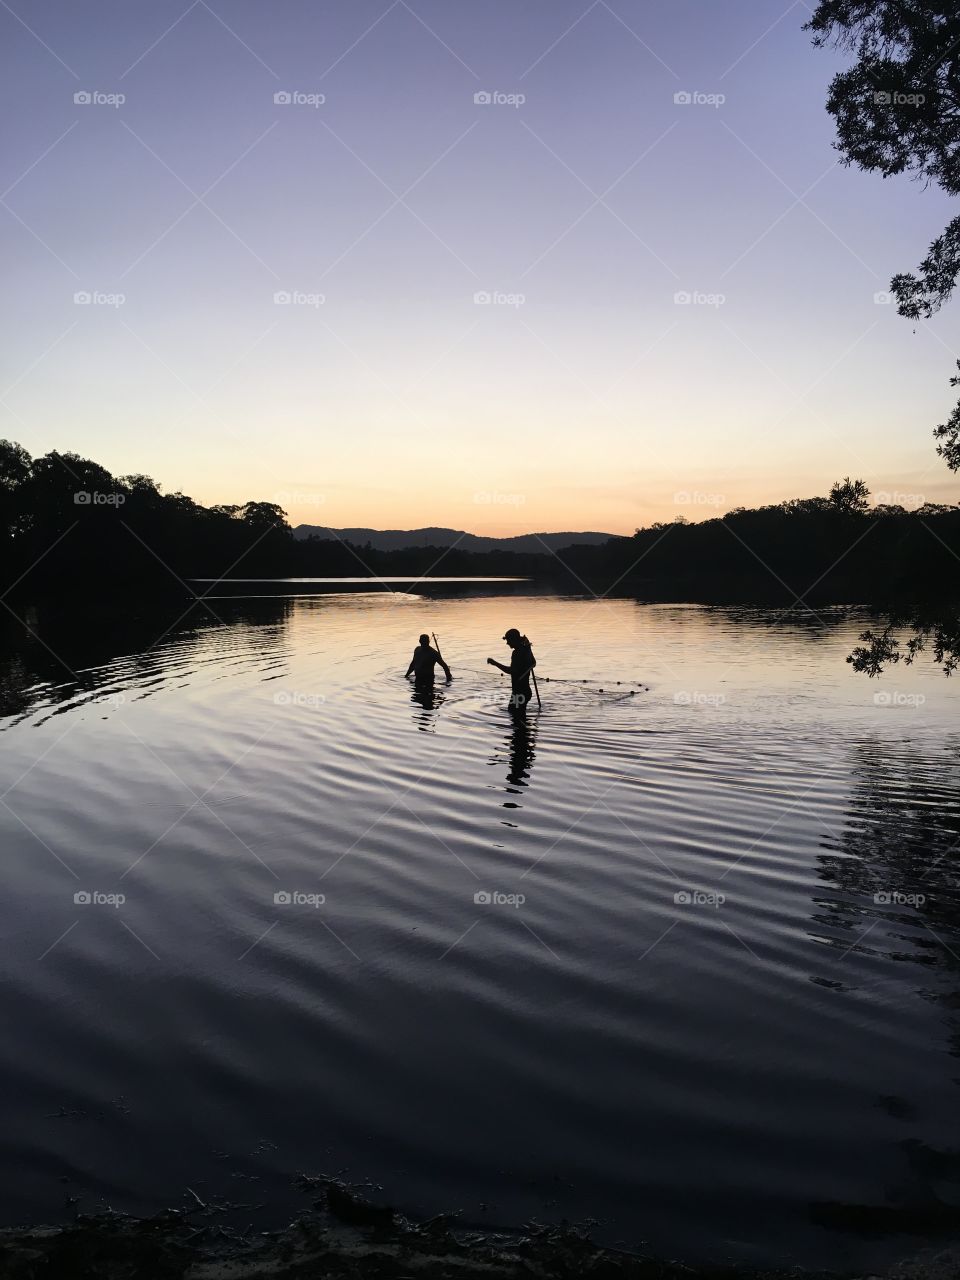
[382, 199]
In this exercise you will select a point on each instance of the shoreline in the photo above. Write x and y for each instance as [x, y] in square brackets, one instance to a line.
[347, 1237]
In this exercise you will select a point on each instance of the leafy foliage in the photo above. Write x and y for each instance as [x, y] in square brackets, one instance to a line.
[949, 433]
[897, 110]
[941, 636]
[850, 496]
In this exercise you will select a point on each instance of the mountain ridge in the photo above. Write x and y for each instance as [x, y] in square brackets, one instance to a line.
[435, 536]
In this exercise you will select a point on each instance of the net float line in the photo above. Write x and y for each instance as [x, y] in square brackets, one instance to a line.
[599, 688]
[592, 686]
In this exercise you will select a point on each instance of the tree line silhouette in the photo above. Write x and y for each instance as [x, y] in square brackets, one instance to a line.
[833, 549]
[68, 525]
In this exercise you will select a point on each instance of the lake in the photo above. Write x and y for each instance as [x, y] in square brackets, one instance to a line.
[679, 957]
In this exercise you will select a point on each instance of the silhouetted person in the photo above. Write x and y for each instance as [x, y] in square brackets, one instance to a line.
[521, 665]
[424, 659]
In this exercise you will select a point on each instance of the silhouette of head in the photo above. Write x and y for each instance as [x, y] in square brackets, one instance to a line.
[425, 640]
[512, 637]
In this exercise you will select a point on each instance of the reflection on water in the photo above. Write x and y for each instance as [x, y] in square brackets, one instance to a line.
[57, 661]
[426, 695]
[892, 870]
[682, 959]
[521, 750]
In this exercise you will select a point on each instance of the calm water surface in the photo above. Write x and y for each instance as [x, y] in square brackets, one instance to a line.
[721, 1021]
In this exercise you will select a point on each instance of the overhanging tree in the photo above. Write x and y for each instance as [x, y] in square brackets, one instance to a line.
[897, 110]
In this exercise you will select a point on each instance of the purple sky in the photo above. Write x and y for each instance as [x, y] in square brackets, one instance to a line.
[582, 394]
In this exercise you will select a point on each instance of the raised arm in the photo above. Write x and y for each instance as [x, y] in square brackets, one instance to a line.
[494, 663]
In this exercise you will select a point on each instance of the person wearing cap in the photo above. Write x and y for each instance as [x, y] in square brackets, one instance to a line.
[521, 665]
[424, 659]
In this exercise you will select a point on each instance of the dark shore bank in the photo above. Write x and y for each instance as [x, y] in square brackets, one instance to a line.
[344, 1236]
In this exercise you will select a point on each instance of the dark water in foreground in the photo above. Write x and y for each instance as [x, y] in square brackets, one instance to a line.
[705, 1076]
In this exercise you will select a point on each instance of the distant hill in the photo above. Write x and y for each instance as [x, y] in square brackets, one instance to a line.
[400, 539]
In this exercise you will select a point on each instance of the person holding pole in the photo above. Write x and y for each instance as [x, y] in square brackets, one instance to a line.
[522, 663]
[424, 659]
